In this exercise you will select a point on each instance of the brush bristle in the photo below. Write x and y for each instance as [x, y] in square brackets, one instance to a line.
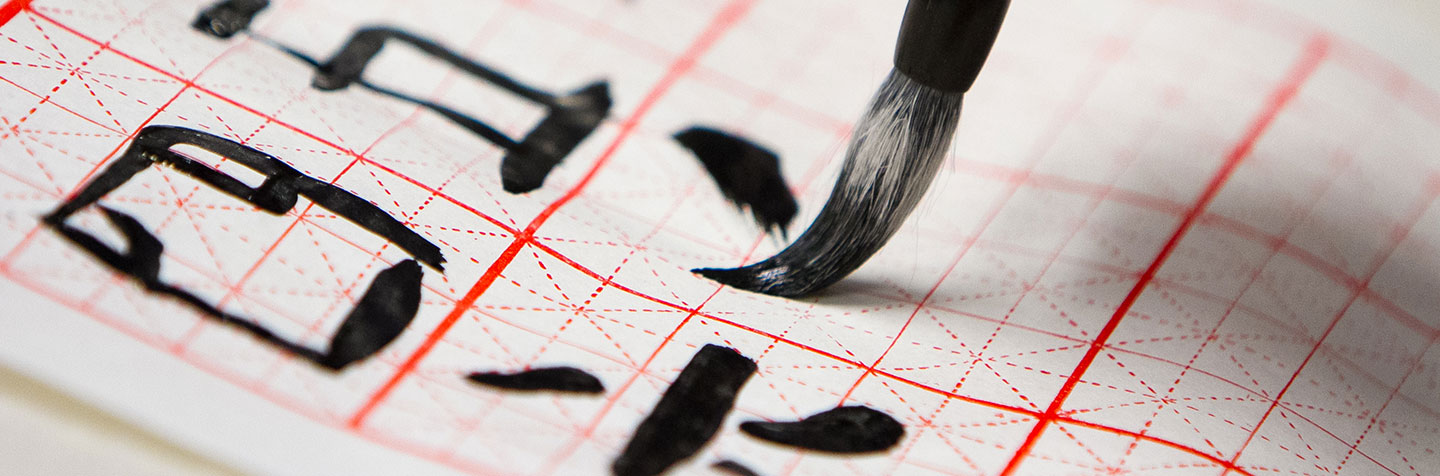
[895, 152]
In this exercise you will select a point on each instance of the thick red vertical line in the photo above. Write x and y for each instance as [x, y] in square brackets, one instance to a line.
[1313, 55]
[12, 8]
[723, 21]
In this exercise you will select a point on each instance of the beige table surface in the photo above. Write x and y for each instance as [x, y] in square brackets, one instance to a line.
[45, 432]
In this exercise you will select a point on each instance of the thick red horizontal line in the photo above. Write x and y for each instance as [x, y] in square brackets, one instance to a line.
[948, 394]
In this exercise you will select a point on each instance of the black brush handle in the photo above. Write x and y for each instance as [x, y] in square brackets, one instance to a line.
[943, 43]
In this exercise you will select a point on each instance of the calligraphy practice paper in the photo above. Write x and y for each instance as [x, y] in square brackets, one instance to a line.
[455, 237]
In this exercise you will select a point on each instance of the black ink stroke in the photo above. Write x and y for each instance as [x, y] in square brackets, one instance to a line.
[842, 430]
[558, 379]
[890, 163]
[568, 121]
[730, 466]
[225, 19]
[379, 316]
[688, 414]
[747, 174]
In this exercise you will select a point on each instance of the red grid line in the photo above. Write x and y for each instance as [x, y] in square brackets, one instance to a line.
[723, 21]
[1417, 364]
[529, 232]
[1156, 203]
[1099, 66]
[300, 217]
[278, 122]
[12, 8]
[1309, 62]
[1355, 295]
[187, 84]
[1393, 311]
[1036, 179]
[945, 393]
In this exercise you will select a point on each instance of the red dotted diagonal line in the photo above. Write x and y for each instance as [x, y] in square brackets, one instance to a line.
[692, 312]
[722, 23]
[1360, 290]
[1178, 210]
[1313, 56]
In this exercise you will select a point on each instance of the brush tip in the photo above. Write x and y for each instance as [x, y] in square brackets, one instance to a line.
[733, 277]
[759, 278]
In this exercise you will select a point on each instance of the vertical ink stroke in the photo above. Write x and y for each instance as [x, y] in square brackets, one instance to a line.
[747, 174]
[688, 414]
[379, 316]
[569, 119]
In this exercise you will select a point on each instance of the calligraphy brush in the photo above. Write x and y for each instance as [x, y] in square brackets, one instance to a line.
[895, 150]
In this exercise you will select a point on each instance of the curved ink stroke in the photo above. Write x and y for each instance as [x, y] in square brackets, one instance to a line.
[282, 187]
[747, 173]
[386, 308]
[855, 429]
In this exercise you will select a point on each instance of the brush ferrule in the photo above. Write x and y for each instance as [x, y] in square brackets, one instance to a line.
[943, 43]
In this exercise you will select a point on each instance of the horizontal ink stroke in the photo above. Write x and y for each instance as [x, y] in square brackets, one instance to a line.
[379, 316]
[841, 430]
[568, 121]
[559, 379]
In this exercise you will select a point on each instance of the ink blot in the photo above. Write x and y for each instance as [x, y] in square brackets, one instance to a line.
[688, 414]
[559, 379]
[379, 316]
[226, 18]
[733, 467]
[747, 174]
[842, 430]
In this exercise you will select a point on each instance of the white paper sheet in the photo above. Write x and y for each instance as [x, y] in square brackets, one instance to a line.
[1173, 238]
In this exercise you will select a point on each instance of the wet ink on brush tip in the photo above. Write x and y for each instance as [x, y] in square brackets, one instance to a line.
[896, 149]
